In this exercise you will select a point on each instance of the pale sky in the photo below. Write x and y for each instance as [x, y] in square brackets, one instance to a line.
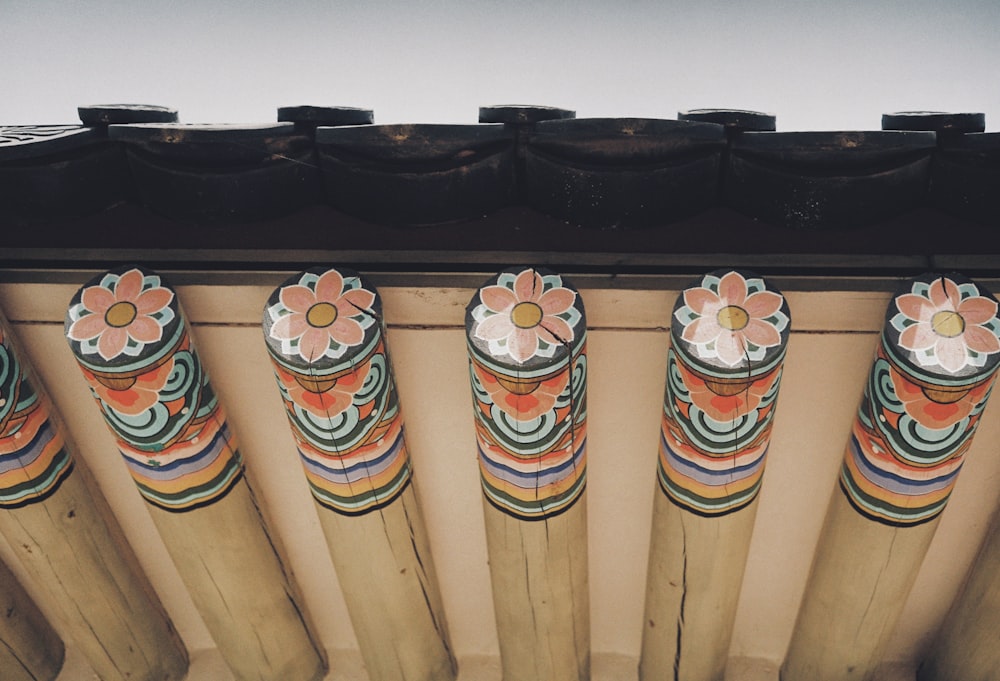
[816, 64]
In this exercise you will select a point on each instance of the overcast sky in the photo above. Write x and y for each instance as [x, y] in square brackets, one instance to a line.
[817, 64]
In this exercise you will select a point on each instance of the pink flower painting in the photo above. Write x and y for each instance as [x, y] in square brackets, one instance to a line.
[322, 316]
[526, 315]
[122, 314]
[947, 325]
[732, 319]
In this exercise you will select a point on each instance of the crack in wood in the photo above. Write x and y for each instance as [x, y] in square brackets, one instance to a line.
[680, 615]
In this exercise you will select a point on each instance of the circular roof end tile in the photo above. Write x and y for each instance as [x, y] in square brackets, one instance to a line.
[522, 114]
[732, 119]
[937, 121]
[314, 116]
[99, 115]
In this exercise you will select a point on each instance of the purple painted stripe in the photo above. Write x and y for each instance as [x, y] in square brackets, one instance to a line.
[181, 467]
[706, 476]
[532, 480]
[360, 471]
[31, 451]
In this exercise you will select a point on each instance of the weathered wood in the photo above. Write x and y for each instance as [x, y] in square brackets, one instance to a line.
[62, 530]
[728, 333]
[133, 345]
[325, 335]
[967, 646]
[933, 372]
[527, 337]
[30, 649]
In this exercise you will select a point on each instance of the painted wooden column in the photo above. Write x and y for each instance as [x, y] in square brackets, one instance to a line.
[63, 532]
[729, 332]
[967, 646]
[126, 329]
[528, 366]
[30, 649]
[326, 338]
[933, 371]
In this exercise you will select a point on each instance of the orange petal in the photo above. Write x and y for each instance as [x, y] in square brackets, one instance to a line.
[763, 304]
[944, 294]
[329, 286]
[982, 340]
[556, 300]
[129, 285]
[733, 289]
[702, 301]
[144, 329]
[346, 331]
[153, 300]
[111, 343]
[297, 298]
[915, 307]
[497, 298]
[762, 334]
[97, 299]
[528, 286]
[978, 310]
[87, 327]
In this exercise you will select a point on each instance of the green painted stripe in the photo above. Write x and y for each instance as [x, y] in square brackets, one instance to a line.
[876, 509]
[536, 509]
[41, 487]
[199, 496]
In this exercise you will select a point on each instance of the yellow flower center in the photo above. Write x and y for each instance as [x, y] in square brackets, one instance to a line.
[321, 315]
[948, 324]
[120, 314]
[733, 318]
[526, 315]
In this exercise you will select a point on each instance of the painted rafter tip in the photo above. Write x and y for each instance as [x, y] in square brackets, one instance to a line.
[527, 337]
[934, 368]
[128, 333]
[58, 522]
[728, 337]
[325, 335]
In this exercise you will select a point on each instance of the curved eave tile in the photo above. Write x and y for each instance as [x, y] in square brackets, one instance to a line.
[623, 173]
[965, 177]
[221, 172]
[59, 171]
[828, 180]
[417, 174]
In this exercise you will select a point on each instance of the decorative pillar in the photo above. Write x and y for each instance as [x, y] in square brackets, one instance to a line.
[128, 334]
[325, 335]
[528, 366]
[926, 391]
[728, 334]
[69, 542]
[30, 649]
